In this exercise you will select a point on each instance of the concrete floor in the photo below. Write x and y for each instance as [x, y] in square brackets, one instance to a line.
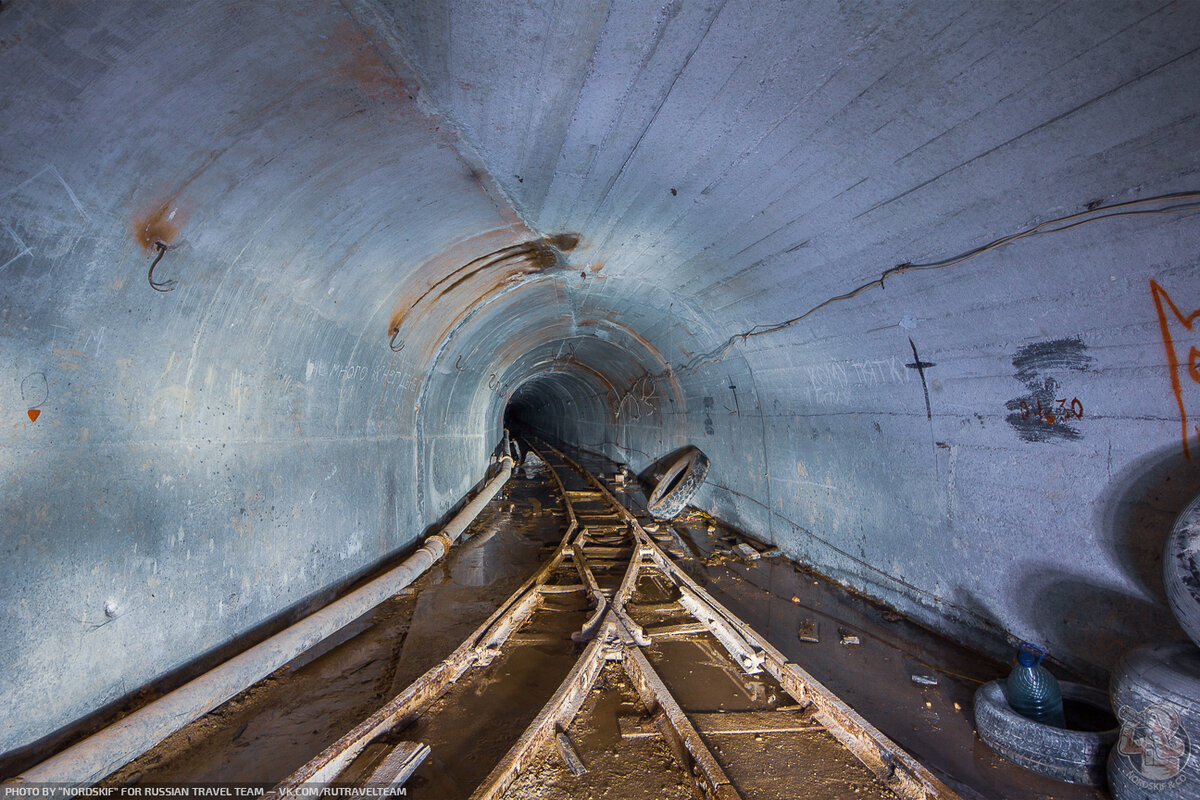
[275, 726]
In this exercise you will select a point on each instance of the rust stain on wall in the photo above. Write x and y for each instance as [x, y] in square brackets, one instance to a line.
[158, 224]
[418, 281]
[499, 266]
[610, 396]
[366, 68]
[162, 221]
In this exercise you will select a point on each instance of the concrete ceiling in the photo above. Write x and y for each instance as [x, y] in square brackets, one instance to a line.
[653, 225]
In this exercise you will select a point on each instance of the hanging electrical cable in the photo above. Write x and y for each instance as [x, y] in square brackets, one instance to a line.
[1181, 202]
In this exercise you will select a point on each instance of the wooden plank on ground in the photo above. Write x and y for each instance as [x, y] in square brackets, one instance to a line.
[603, 551]
[536, 638]
[676, 631]
[560, 588]
[727, 723]
[654, 608]
[399, 764]
[636, 728]
[567, 753]
[768, 721]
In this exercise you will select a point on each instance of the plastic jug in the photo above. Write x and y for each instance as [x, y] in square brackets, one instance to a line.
[1032, 691]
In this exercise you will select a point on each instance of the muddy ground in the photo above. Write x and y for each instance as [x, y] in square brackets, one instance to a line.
[268, 731]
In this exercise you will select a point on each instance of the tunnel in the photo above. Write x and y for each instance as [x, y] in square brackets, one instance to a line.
[280, 279]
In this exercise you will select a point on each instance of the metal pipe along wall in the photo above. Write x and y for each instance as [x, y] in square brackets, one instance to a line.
[111, 748]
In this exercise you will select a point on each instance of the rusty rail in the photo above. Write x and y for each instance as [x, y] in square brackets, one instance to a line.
[596, 543]
[899, 771]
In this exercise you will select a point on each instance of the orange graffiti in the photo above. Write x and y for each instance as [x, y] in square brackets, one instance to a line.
[33, 413]
[1173, 362]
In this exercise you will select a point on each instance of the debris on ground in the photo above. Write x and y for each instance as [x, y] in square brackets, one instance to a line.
[925, 680]
[849, 639]
[720, 553]
[809, 631]
[746, 552]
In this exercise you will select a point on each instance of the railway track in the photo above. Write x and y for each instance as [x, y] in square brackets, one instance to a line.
[611, 673]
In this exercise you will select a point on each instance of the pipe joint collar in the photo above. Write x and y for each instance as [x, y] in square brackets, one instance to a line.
[439, 544]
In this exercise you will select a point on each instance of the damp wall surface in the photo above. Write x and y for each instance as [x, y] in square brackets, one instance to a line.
[183, 467]
[997, 447]
[637, 225]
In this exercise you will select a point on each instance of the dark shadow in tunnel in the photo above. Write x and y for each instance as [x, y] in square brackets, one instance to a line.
[983, 630]
[1088, 625]
[1144, 502]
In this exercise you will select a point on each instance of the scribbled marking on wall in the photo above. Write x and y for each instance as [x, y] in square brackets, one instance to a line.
[1174, 361]
[1053, 414]
[639, 398]
[1046, 412]
[35, 391]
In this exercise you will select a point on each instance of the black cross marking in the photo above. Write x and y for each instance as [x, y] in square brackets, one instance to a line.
[920, 366]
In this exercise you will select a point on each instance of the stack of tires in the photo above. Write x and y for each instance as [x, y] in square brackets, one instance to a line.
[1156, 689]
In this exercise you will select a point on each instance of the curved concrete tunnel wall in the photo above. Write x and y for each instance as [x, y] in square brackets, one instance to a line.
[756, 162]
[184, 467]
[205, 459]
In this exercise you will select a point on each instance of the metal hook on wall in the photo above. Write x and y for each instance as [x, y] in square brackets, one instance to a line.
[165, 286]
[456, 363]
[392, 342]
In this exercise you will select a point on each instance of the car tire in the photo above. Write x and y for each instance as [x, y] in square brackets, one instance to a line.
[1074, 756]
[1181, 570]
[1156, 692]
[678, 484]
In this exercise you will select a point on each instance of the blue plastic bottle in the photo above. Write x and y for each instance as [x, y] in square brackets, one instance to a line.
[1032, 691]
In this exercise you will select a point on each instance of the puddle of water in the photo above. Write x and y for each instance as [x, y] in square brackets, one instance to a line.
[474, 724]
